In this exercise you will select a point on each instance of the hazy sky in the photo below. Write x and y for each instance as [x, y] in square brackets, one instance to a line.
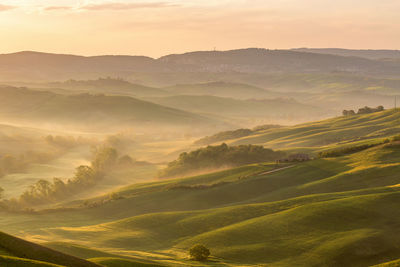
[160, 27]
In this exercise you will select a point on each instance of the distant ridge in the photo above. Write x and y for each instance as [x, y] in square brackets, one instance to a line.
[91, 111]
[45, 66]
[364, 53]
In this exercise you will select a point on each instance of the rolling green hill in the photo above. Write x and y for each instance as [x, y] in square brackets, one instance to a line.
[339, 131]
[17, 252]
[335, 211]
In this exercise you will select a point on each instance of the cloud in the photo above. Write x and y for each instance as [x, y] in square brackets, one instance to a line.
[51, 8]
[6, 7]
[125, 6]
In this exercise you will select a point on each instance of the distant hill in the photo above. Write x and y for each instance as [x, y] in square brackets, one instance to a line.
[87, 111]
[274, 110]
[264, 60]
[222, 89]
[109, 86]
[364, 53]
[35, 66]
[46, 66]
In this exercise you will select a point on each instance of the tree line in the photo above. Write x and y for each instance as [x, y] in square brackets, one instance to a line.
[364, 110]
[85, 176]
[212, 157]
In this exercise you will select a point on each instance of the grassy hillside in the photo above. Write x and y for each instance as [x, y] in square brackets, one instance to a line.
[339, 131]
[323, 212]
[394, 263]
[336, 211]
[20, 262]
[312, 214]
[30, 254]
[15, 252]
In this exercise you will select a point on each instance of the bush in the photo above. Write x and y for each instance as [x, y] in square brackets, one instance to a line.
[199, 253]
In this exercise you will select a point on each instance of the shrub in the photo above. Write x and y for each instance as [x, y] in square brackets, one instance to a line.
[199, 253]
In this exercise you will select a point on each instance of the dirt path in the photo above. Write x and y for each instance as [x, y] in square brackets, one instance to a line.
[275, 170]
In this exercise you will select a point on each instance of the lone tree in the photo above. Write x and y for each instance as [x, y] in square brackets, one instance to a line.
[199, 253]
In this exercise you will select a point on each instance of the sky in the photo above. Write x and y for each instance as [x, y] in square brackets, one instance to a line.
[160, 27]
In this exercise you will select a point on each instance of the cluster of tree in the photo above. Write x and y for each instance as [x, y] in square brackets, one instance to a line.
[212, 157]
[196, 186]
[44, 191]
[348, 150]
[364, 110]
[104, 200]
[16, 164]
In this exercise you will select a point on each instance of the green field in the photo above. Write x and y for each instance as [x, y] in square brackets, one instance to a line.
[339, 131]
[336, 211]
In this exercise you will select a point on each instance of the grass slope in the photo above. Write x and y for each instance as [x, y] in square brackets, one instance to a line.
[338, 131]
[19, 262]
[32, 254]
[339, 211]
[327, 212]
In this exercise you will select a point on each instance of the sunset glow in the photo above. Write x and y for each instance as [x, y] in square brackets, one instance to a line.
[156, 28]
